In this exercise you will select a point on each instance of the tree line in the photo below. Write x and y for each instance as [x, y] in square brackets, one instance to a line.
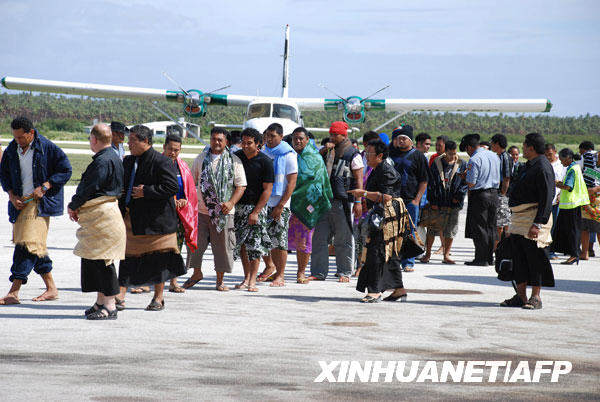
[73, 113]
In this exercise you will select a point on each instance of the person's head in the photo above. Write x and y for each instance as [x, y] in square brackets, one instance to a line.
[23, 131]
[235, 138]
[533, 146]
[469, 143]
[172, 146]
[485, 145]
[450, 150]
[251, 139]
[423, 142]
[324, 141]
[338, 132]
[498, 143]
[118, 132]
[376, 152]
[513, 151]
[354, 143]
[299, 139]
[550, 152]
[218, 140]
[566, 156]
[100, 137]
[586, 146]
[440, 144]
[402, 137]
[273, 135]
[140, 139]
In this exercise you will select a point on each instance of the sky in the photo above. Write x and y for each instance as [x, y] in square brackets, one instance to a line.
[423, 49]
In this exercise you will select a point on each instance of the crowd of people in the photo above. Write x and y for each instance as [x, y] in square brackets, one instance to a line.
[261, 195]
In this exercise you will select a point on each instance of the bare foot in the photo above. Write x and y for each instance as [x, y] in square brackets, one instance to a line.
[252, 289]
[302, 280]
[48, 295]
[141, 289]
[439, 250]
[344, 279]
[9, 299]
[241, 286]
[278, 283]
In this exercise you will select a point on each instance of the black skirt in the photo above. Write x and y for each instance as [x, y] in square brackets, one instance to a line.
[530, 263]
[377, 276]
[567, 232]
[96, 276]
[150, 269]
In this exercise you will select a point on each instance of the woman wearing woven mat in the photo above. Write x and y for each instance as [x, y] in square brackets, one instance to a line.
[382, 269]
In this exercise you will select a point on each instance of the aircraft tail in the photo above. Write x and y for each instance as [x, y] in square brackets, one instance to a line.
[284, 83]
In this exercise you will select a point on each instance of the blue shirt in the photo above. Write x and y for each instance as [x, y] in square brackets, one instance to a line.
[483, 170]
[570, 177]
[119, 151]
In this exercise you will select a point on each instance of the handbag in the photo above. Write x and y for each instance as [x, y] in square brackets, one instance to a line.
[375, 220]
[504, 260]
[412, 245]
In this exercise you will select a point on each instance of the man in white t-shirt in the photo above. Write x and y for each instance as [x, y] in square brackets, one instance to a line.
[220, 183]
[285, 164]
[559, 174]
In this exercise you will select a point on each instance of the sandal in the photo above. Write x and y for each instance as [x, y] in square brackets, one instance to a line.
[241, 286]
[222, 288]
[155, 306]
[409, 269]
[424, 260]
[344, 279]
[252, 289]
[190, 282]
[370, 299]
[448, 262]
[265, 277]
[534, 303]
[120, 304]
[93, 309]
[303, 280]
[103, 314]
[514, 301]
[176, 289]
[141, 289]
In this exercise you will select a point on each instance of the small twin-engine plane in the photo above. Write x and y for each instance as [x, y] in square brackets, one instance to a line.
[262, 111]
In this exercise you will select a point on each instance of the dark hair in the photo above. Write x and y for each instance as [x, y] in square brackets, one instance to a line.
[369, 135]
[143, 133]
[23, 123]
[324, 140]
[443, 138]
[450, 145]
[513, 147]
[252, 133]
[353, 141]
[298, 129]
[422, 137]
[485, 143]
[235, 137]
[536, 141]
[220, 130]
[587, 146]
[550, 146]
[310, 135]
[380, 147]
[566, 153]
[471, 141]
[278, 128]
[173, 138]
[500, 139]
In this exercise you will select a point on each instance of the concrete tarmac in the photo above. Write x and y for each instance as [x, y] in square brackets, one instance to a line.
[209, 345]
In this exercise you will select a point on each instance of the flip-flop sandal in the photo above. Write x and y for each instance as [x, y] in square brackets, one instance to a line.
[176, 289]
[190, 283]
[452, 262]
[252, 289]
[222, 288]
[303, 281]
[155, 306]
[241, 286]
[139, 290]
[265, 278]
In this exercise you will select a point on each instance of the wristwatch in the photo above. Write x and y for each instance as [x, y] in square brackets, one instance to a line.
[44, 188]
[365, 194]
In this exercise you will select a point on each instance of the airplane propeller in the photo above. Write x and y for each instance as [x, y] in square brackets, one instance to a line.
[354, 106]
[194, 101]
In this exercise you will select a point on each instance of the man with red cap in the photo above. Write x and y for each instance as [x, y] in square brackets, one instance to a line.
[345, 169]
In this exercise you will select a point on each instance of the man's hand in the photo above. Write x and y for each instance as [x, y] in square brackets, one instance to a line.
[276, 213]
[180, 203]
[253, 218]
[38, 193]
[357, 210]
[137, 192]
[73, 215]
[16, 201]
[533, 232]
[330, 145]
[226, 207]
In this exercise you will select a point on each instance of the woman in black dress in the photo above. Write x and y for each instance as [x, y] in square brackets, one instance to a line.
[383, 184]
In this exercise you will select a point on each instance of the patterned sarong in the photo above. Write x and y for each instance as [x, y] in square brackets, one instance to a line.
[254, 237]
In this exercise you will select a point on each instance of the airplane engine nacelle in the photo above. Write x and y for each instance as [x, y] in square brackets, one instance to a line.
[194, 103]
[354, 110]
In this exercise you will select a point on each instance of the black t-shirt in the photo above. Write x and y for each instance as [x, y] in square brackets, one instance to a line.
[258, 170]
[414, 169]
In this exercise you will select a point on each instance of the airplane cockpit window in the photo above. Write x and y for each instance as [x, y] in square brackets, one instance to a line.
[259, 110]
[285, 112]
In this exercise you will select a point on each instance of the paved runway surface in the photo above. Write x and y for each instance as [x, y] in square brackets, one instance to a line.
[209, 345]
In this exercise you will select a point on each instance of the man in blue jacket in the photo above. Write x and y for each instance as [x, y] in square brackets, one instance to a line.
[33, 172]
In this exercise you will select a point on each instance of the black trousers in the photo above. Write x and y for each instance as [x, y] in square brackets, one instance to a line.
[96, 276]
[481, 222]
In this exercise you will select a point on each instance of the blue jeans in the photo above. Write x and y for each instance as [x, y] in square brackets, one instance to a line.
[413, 211]
[24, 262]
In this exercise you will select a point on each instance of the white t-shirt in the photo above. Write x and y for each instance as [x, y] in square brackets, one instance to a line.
[26, 162]
[559, 174]
[291, 166]
[239, 176]
[357, 162]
